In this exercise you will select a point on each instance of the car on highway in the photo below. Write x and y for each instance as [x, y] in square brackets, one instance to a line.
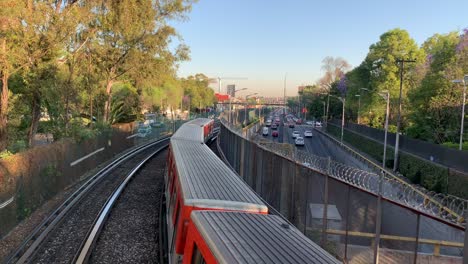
[299, 141]
[291, 125]
[295, 134]
[299, 121]
[265, 131]
[308, 133]
[318, 124]
[274, 133]
[268, 123]
[144, 130]
[274, 126]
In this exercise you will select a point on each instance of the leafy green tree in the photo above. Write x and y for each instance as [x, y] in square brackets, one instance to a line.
[435, 113]
[131, 33]
[11, 55]
[125, 105]
[384, 71]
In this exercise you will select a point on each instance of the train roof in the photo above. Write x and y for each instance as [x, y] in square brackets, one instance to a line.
[235, 237]
[208, 183]
[192, 130]
[200, 121]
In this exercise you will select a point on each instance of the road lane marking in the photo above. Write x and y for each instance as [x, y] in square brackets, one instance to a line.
[134, 135]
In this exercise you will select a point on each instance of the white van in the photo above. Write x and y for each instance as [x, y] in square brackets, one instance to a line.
[265, 131]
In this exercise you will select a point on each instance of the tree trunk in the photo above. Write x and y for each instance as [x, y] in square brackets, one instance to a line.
[91, 109]
[4, 111]
[108, 100]
[35, 116]
[68, 88]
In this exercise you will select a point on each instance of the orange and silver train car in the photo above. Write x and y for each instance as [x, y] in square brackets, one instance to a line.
[214, 217]
[236, 237]
[200, 129]
[198, 180]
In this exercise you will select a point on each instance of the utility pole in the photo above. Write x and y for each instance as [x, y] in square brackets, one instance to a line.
[359, 107]
[463, 81]
[328, 108]
[284, 94]
[397, 140]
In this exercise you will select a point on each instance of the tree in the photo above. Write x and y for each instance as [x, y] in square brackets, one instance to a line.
[384, 70]
[435, 114]
[131, 33]
[11, 59]
[125, 105]
[334, 68]
[357, 79]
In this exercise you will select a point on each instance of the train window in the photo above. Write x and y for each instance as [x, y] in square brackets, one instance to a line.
[197, 257]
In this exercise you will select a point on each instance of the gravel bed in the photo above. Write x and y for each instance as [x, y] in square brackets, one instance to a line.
[131, 233]
[11, 242]
[63, 243]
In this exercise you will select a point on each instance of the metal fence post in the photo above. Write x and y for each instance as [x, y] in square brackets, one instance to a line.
[378, 224]
[347, 225]
[417, 239]
[465, 245]
[241, 159]
[325, 204]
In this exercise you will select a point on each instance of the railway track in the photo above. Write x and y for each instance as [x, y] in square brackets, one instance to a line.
[66, 231]
[126, 228]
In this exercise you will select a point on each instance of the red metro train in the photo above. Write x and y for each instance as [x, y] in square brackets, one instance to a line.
[214, 217]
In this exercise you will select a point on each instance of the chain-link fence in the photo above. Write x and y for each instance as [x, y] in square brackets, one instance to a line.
[337, 206]
[29, 179]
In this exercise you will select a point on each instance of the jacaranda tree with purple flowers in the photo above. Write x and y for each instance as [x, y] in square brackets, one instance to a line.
[342, 86]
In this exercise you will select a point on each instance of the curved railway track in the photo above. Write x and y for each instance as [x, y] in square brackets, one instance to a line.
[62, 234]
[106, 248]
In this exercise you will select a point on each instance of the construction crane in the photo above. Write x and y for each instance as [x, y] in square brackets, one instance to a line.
[225, 78]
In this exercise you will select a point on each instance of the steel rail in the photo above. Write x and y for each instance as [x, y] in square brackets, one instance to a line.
[37, 237]
[88, 245]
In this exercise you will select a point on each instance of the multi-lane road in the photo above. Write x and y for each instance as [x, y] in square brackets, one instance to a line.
[318, 145]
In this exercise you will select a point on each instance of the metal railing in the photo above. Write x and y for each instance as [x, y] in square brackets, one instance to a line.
[446, 206]
[293, 180]
[395, 188]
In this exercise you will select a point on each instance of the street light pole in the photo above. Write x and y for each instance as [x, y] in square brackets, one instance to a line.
[386, 96]
[359, 107]
[328, 107]
[284, 94]
[378, 224]
[323, 110]
[343, 100]
[397, 140]
[464, 81]
[230, 99]
[463, 112]
[359, 104]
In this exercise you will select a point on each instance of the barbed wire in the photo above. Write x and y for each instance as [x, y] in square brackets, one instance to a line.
[448, 207]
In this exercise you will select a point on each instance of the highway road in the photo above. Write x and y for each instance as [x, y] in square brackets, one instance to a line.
[318, 145]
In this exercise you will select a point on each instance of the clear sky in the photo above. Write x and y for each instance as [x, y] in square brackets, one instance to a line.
[263, 39]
